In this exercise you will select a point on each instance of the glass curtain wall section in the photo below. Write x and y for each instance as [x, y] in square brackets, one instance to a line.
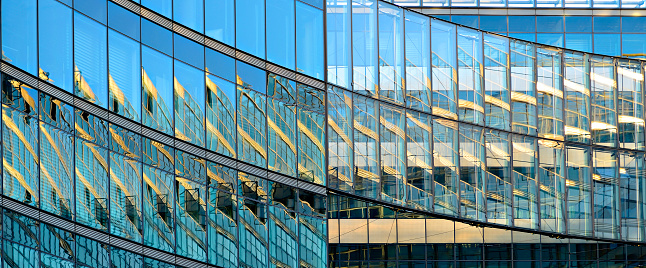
[446, 164]
[310, 40]
[444, 76]
[311, 134]
[364, 43]
[579, 190]
[366, 142]
[280, 25]
[497, 96]
[472, 173]
[340, 139]
[523, 87]
[339, 29]
[606, 194]
[19, 35]
[419, 153]
[90, 60]
[498, 177]
[633, 197]
[470, 89]
[124, 79]
[157, 84]
[393, 154]
[630, 104]
[417, 43]
[281, 124]
[56, 43]
[577, 88]
[551, 171]
[549, 86]
[391, 53]
[525, 181]
[604, 103]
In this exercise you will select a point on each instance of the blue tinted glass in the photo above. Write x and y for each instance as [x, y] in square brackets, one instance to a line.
[189, 85]
[316, 3]
[219, 21]
[524, 36]
[549, 24]
[188, 51]
[56, 44]
[581, 42]
[157, 73]
[607, 44]
[251, 77]
[250, 27]
[156, 36]
[633, 24]
[90, 60]
[190, 13]
[125, 75]
[220, 65]
[163, 7]
[309, 40]
[550, 39]
[633, 45]
[123, 20]
[280, 28]
[607, 24]
[471, 21]
[96, 9]
[522, 24]
[493, 23]
[19, 34]
[443, 17]
[575, 24]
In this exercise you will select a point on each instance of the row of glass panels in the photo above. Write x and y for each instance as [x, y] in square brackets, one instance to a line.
[484, 79]
[363, 234]
[72, 164]
[414, 159]
[608, 4]
[225, 106]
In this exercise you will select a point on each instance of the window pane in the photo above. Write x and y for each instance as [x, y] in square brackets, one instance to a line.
[96, 9]
[221, 116]
[189, 100]
[606, 194]
[123, 21]
[551, 172]
[223, 227]
[158, 209]
[549, 24]
[280, 29]
[633, 45]
[56, 173]
[419, 137]
[366, 116]
[579, 189]
[156, 37]
[281, 123]
[191, 214]
[444, 63]
[550, 94]
[578, 24]
[157, 76]
[580, 42]
[499, 179]
[125, 197]
[607, 44]
[364, 39]
[470, 91]
[607, 24]
[91, 185]
[525, 162]
[472, 172]
[445, 166]
[20, 150]
[392, 155]
[418, 61]
[125, 76]
[190, 13]
[604, 86]
[493, 23]
[522, 24]
[391, 54]
[250, 27]
[338, 42]
[90, 60]
[523, 86]
[219, 20]
[19, 29]
[252, 123]
[55, 44]
[496, 66]
[471, 21]
[283, 245]
[189, 51]
[630, 105]
[341, 154]
[577, 107]
[220, 65]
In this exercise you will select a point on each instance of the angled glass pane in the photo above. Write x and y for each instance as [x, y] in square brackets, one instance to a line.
[446, 163]
[340, 139]
[252, 123]
[91, 185]
[20, 157]
[366, 141]
[92, 253]
[158, 155]
[190, 13]
[223, 228]
[56, 113]
[190, 166]
[606, 194]
[579, 190]
[219, 22]
[220, 64]
[577, 106]
[523, 87]
[281, 125]
[124, 21]
[19, 34]
[124, 77]
[158, 209]
[391, 54]
[57, 242]
[19, 96]
[551, 171]
[310, 41]
[630, 106]
[125, 197]
[499, 178]
[470, 91]
[125, 142]
[95, 9]
[250, 27]
[189, 102]
[550, 93]
[472, 172]
[633, 196]
[222, 177]
[91, 128]
[55, 44]
[393, 154]
[364, 44]
[90, 60]
[524, 179]
[444, 73]
[283, 236]
[604, 103]
[281, 37]
[156, 36]
[312, 240]
[253, 238]
[419, 154]
[338, 42]
[221, 115]
[157, 85]
[190, 214]
[418, 61]
[251, 77]
[56, 173]
[496, 72]
[311, 146]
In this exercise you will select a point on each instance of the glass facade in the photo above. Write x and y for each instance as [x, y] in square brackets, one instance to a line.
[341, 133]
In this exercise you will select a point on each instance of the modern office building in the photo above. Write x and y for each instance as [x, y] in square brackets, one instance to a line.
[304, 133]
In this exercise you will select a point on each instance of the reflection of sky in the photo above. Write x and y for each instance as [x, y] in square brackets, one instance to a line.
[250, 26]
[90, 53]
[18, 35]
[219, 21]
[192, 80]
[280, 28]
[159, 69]
[309, 40]
[55, 30]
[124, 69]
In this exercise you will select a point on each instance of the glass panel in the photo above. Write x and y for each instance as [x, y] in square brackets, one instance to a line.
[604, 116]
[496, 69]
[472, 172]
[19, 255]
[19, 34]
[577, 86]
[311, 145]
[91, 128]
[219, 20]
[92, 253]
[309, 40]
[156, 36]
[551, 172]
[525, 161]
[579, 189]
[189, 99]
[125, 197]
[366, 140]
[124, 77]
[157, 83]
[222, 177]
[252, 123]
[190, 215]
[188, 51]
[630, 105]
[56, 113]
[123, 21]
[499, 179]
[340, 145]
[445, 166]
[55, 43]
[96, 9]
[158, 209]
[281, 123]
[56, 173]
[20, 162]
[163, 7]
[391, 54]
[607, 44]
[122, 258]
[220, 116]
[253, 234]
[57, 242]
[550, 94]
[418, 61]
[338, 42]
[444, 73]
[220, 64]
[393, 150]
[470, 92]
[523, 86]
[633, 198]
[364, 39]
[158, 155]
[251, 77]
[190, 13]
[283, 231]
[91, 185]
[250, 27]
[493, 23]
[312, 240]
[21, 229]
[223, 228]
[281, 38]
[90, 60]
[606, 194]
[19, 96]
[419, 171]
